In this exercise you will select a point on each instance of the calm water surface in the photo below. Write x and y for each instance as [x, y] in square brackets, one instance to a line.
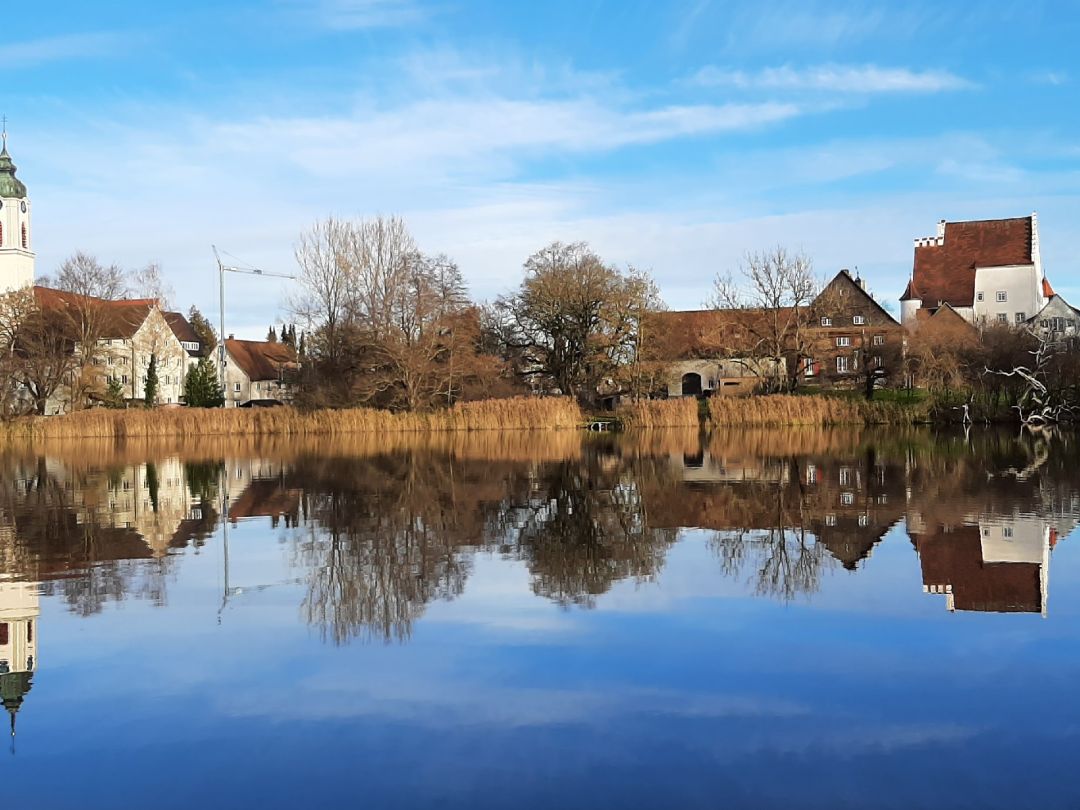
[775, 619]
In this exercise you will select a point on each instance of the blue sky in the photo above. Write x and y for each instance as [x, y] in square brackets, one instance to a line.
[675, 136]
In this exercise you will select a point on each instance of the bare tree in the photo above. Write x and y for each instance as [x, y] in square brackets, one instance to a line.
[573, 326]
[150, 283]
[780, 286]
[83, 274]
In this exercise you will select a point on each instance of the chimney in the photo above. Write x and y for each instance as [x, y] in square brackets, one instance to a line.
[232, 336]
[941, 229]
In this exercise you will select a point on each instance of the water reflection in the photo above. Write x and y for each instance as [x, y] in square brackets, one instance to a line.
[376, 533]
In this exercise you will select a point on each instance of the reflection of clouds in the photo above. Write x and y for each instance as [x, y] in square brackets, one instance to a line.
[441, 703]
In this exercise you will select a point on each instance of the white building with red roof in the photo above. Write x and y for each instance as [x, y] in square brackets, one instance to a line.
[989, 271]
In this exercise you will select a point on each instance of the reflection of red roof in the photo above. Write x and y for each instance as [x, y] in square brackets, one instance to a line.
[261, 359]
[119, 319]
[264, 498]
[946, 272]
[955, 558]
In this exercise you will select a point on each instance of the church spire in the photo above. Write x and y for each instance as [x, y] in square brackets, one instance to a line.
[10, 186]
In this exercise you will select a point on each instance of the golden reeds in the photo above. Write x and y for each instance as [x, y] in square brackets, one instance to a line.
[783, 410]
[660, 413]
[517, 413]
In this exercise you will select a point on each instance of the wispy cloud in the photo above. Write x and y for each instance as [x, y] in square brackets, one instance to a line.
[34, 52]
[353, 15]
[1051, 77]
[833, 78]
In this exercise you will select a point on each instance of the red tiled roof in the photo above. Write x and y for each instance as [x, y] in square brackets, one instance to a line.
[946, 272]
[119, 319]
[691, 334]
[1048, 291]
[183, 330]
[261, 359]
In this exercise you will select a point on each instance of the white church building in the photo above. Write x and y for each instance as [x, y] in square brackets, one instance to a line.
[16, 255]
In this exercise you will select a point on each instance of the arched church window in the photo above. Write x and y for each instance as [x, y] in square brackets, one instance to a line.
[25, 241]
[1, 234]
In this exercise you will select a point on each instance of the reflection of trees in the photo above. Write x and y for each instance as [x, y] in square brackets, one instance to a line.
[582, 528]
[386, 538]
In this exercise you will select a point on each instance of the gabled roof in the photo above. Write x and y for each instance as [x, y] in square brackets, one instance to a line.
[184, 331]
[701, 333]
[944, 269]
[848, 282]
[261, 359]
[119, 319]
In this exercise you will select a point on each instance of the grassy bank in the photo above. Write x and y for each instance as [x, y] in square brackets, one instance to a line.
[519, 413]
[783, 410]
[660, 413]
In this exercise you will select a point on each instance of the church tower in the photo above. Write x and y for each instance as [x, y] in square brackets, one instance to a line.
[16, 256]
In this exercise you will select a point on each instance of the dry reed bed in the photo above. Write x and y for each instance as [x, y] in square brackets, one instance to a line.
[660, 413]
[487, 445]
[518, 413]
[784, 410]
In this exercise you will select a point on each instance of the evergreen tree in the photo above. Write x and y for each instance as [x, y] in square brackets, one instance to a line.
[201, 389]
[114, 393]
[300, 348]
[271, 335]
[202, 327]
[151, 388]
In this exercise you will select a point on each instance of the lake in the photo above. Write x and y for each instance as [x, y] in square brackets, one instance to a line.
[752, 619]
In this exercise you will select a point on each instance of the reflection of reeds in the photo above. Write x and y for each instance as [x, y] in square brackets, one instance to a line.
[656, 413]
[517, 413]
[781, 409]
[805, 440]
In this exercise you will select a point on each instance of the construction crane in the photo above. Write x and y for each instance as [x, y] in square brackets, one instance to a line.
[222, 270]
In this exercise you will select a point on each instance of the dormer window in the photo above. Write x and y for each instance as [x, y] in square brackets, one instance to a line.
[858, 320]
[826, 321]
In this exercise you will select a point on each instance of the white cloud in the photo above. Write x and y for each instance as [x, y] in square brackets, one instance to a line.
[864, 79]
[353, 15]
[34, 52]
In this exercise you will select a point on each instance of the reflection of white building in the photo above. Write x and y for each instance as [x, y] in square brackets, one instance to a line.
[19, 611]
[998, 563]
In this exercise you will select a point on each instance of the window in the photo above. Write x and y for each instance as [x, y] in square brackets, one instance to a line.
[811, 474]
[236, 387]
[980, 296]
[847, 498]
[1002, 296]
[879, 340]
[845, 476]
[878, 362]
[864, 520]
[1, 234]
[842, 365]
[25, 239]
[858, 320]
[4, 637]
[30, 632]
[808, 366]
[826, 321]
[1003, 317]
[843, 340]
[124, 379]
[830, 520]
[1020, 317]
[1007, 532]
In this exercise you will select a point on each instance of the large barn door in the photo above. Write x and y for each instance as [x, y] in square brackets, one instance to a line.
[691, 385]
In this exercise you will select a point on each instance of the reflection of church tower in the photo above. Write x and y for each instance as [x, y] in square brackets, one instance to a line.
[16, 257]
[19, 610]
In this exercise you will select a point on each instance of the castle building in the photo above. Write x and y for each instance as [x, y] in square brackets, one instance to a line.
[989, 271]
[16, 256]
